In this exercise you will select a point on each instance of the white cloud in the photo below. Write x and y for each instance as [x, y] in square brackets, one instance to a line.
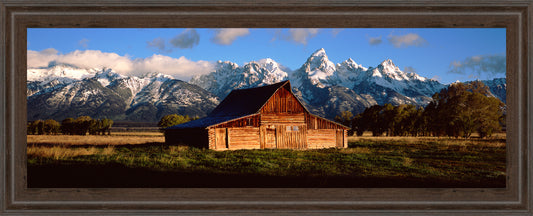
[41, 58]
[226, 36]
[180, 68]
[302, 35]
[297, 35]
[407, 40]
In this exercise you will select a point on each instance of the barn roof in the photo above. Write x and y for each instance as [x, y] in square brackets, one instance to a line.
[239, 103]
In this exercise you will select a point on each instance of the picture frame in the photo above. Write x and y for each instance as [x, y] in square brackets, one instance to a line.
[17, 16]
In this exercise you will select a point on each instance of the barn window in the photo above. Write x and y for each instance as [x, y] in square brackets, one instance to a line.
[292, 128]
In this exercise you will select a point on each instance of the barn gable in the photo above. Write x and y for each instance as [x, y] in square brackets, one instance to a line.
[241, 102]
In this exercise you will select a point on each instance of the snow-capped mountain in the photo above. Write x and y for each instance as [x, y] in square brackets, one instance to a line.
[498, 87]
[228, 76]
[63, 91]
[327, 89]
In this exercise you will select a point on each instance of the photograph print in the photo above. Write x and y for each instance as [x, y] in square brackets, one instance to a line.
[266, 108]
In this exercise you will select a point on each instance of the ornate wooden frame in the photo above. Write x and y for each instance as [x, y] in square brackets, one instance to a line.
[17, 15]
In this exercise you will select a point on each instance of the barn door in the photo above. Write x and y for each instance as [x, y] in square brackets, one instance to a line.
[221, 141]
[340, 139]
[270, 138]
[291, 137]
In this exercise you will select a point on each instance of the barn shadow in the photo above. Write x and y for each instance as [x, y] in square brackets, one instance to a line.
[119, 176]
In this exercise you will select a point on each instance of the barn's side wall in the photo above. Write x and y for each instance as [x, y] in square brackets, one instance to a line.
[345, 139]
[314, 122]
[194, 137]
[243, 138]
[321, 138]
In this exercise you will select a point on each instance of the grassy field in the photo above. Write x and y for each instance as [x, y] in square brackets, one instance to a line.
[117, 138]
[142, 160]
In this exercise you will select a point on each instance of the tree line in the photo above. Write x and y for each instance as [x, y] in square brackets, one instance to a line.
[456, 111]
[70, 126]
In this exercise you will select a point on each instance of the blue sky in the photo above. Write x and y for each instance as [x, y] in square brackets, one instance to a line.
[443, 54]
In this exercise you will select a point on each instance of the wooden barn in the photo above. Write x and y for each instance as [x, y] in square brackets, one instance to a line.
[259, 118]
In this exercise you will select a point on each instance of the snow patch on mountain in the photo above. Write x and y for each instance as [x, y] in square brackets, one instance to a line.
[228, 76]
[102, 92]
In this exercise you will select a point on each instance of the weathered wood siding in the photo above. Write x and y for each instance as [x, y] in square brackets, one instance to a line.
[340, 139]
[283, 101]
[282, 118]
[243, 138]
[287, 137]
[195, 137]
[321, 138]
[221, 138]
[314, 122]
[270, 138]
[252, 121]
[345, 139]
[211, 138]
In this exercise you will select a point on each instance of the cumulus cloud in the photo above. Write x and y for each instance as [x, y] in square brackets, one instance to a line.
[186, 39]
[480, 64]
[84, 42]
[302, 35]
[375, 40]
[226, 36]
[297, 35]
[158, 45]
[41, 58]
[180, 68]
[407, 40]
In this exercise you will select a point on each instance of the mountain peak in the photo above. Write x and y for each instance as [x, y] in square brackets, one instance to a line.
[319, 52]
[387, 62]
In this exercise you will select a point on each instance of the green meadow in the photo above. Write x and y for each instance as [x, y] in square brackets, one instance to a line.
[106, 161]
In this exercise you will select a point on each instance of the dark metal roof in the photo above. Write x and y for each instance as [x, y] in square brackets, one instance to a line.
[241, 102]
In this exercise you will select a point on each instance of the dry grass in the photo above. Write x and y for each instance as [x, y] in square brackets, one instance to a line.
[93, 140]
[61, 152]
[131, 133]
